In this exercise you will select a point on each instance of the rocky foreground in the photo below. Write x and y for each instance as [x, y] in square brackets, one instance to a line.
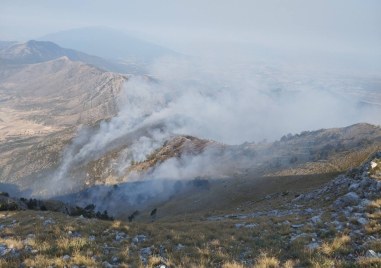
[336, 225]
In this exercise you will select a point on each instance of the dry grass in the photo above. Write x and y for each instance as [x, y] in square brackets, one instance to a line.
[290, 264]
[322, 262]
[374, 245]
[154, 261]
[265, 261]
[375, 204]
[205, 244]
[369, 262]
[339, 245]
[239, 194]
[15, 243]
[232, 265]
[373, 227]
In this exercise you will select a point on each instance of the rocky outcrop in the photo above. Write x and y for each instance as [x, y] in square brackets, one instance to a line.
[350, 189]
[350, 204]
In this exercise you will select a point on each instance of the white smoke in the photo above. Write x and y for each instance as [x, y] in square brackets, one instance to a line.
[226, 102]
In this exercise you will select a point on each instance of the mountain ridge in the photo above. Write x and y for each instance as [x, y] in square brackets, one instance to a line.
[109, 43]
[34, 51]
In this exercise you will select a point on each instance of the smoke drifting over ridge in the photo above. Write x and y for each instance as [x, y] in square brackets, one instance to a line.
[234, 103]
[226, 102]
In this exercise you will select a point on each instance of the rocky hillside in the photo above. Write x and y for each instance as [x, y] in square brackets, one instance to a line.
[42, 105]
[336, 224]
[58, 93]
[314, 196]
[41, 51]
[308, 153]
[302, 161]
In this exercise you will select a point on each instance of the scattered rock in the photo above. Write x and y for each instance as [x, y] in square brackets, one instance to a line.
[146, 251]
[309, 211]
[244, 225]
[362, 221]
[48, 222]
[312, 246]
[239, 225]
[95, 258]
[3, 250]
[371, 237]
[144, 254]
[31, 236]
[315, 219]
[161, 266]
[298, 236]
[162, 252]
[120, 236]
[179, 247]
[338, 224]
[75, 234]
[106, 264]
[348, 199]
[139, 238]
[298, 198]
[115, 259]
[372, 254]
[354, 186]
[373, 165]
[364, 203]
[66, 258]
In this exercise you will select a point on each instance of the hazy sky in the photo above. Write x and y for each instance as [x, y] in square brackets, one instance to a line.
[351, 26]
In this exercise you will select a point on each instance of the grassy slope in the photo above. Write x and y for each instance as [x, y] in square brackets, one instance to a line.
[242, 193]
[205, 243]
[183, 220]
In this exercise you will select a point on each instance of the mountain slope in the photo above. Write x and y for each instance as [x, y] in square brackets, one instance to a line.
[5, 44]
[312, 152]
[335, 223]
[42, 105]
[294, 164]
[40, 51]
[59, 92]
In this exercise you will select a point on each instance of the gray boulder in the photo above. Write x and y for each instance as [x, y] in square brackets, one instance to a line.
[372, 254]
[350, 198]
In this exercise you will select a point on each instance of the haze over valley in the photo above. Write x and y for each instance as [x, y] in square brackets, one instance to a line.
[255, 134]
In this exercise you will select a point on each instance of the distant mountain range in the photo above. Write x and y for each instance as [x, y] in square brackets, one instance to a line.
[5, 44]
[40, 51]
[109, 44]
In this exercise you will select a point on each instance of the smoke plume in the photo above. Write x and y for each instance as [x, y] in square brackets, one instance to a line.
[228, 102]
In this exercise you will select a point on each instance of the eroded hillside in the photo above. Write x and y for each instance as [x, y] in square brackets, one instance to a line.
[42, 104]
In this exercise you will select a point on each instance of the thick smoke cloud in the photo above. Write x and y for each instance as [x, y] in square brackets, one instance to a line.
[228, 102]
[234, 103]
